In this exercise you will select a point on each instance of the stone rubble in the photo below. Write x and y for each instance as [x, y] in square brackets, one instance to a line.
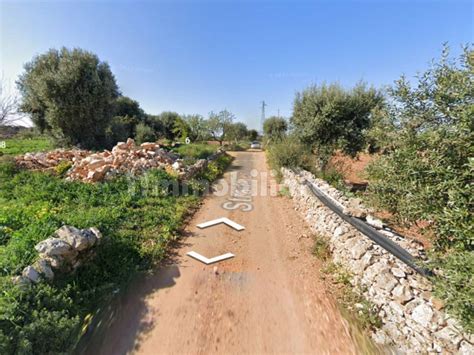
[124, 158]
[49, 160]
[63, 252]
[413, 320]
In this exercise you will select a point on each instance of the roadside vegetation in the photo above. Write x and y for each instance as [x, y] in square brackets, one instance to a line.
[74, 101]
[421, 143]
[138, 220]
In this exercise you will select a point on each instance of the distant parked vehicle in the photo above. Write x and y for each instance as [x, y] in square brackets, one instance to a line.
[255, 145]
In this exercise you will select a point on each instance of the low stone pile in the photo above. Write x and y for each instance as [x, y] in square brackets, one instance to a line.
[63, 252]
[413, 320]
[49, 160]
[124, 158]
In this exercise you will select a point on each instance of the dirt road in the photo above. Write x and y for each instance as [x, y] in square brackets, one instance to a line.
[267, 299]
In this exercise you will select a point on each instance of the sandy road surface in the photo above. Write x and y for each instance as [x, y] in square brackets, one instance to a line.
[267, 299]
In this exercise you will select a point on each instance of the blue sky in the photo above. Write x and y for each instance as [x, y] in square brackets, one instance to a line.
[197, 56]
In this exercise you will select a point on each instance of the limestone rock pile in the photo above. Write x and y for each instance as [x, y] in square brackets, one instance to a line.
[49, 160]
[66, 250]
[124, 158]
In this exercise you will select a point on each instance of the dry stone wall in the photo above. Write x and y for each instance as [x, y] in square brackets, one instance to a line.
[413, 320]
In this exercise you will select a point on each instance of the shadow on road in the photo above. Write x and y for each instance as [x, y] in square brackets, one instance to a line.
[129, 307]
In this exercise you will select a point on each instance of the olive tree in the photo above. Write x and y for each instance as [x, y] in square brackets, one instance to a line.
[275, 128]
[219, 124]
[252, 134]
[427, 176]
[128, 114]
[197, 127]
[237, 131]
[328, 117]
[168, 121]
[181, 129]
[69, 94]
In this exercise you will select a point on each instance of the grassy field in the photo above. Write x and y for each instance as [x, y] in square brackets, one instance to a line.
[21, 146]
[137, 220]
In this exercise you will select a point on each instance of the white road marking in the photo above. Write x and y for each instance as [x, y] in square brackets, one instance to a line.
[225, 220]
[207, 261]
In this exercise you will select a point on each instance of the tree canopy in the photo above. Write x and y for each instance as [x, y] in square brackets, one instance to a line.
[275, 128]
[328, 117]
[219, 124]
[70, 94]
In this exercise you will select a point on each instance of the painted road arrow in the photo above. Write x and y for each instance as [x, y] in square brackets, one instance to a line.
[207, 261]
[224, 220]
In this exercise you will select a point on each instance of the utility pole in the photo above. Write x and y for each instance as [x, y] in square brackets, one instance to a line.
[278, 113]
[263, 113]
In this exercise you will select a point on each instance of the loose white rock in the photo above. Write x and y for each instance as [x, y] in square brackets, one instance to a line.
[374, 222]
[422, 314]
[466, 348]
[31, 274]
[53, 247]
[398, 272]
[402, 294]
[44, 268]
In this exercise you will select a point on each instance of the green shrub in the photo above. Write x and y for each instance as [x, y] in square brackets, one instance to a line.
[455, 286]
[237, 146]
[7, 167]
[44, 319]
[290, 153]
[120, 129]
[62, 168]
[284, 192]
[427, 175]
[144, 133]
[333, 176]
[321, 248]
[215, 168]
